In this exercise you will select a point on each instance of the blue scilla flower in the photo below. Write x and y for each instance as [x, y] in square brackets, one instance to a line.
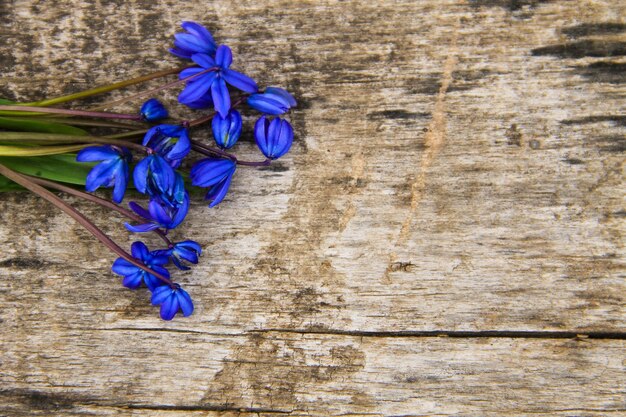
[216, 80]
[111, 172]
[187, 250]
[273, 138]
[154, 175]
[170, 141]
[172, 300]
[273, 100]
[133, 275]
[226, 130]
[153, 110]
[197, 39]
[159, 214]
[216, 174]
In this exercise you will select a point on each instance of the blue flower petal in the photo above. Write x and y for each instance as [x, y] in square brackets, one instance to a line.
[169, 307]
[266, 104]
[197, 87]
[221, 96]
[133, 281]
[140, 175]
[184, 301]
[121, 182]
[96, 153]
[240, 81]
[217, 193]
[204, 61]
[102, 174]
[208, 172]
[139, 251]
[141, 228]
[223, 56]
[202, 33]
[283, 94]
[181, 213]
[122, 267]
[188, 72]
[160, 294]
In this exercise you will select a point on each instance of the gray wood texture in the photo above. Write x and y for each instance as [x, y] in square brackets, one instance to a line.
[446, 236]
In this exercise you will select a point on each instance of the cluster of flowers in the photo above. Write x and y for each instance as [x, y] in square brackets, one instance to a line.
[166, 145]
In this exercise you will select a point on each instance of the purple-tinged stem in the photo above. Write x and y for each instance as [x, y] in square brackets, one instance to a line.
[80, 218]
[153, 91]
[106, 88]
[100, 201]
[35, 111]
[209, 151]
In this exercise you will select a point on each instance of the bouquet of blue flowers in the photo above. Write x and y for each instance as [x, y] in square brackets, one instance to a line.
[44, 147]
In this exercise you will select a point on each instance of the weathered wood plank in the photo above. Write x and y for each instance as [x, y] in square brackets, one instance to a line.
[310, 374]
[458, 167]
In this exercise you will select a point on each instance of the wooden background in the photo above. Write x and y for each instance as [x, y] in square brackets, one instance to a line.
[446, 236]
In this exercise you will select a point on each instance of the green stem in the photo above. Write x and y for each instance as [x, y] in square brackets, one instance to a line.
[39, 138]
[29, 111]
[104, 89]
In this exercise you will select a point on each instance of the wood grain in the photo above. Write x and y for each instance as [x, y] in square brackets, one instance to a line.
[457, 170]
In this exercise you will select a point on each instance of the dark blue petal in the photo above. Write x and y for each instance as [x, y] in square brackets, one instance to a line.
[153, 110]
[240, 81]
[197, 87]
[121, 181]
[96, 153]
[187, 42]
[181, 212]
[260, 134]
[169, 307]
[162, 173]
[141, 228]
[139, 210]
[160, 294]
[184, 301]
[284, 140]
[266, 104]
[283, 94]
[133, 281]
[226, 130]
[204, 61]
[182, 146]
[208, 172]
[202, 33]
[188, 72]
[190, 245]
[158, 213]
[223, 56]
[221, 97]
[140, 175]
[179, 264]
[218, 192]
[122, 267]
[102, 174]
[139, 251]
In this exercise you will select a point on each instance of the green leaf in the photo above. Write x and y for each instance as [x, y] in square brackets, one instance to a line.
[32, 125]
[61, 168]
[7, 150]
[6, 102]
[8, 185]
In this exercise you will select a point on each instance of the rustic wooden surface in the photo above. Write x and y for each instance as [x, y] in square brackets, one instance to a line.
[450, 218]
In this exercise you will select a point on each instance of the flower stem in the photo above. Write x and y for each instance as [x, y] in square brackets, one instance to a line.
[152, 91]
[105, 88]
[36, 137]
[31, 111]
[80, 218]
[210, 151]
[95, 199]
